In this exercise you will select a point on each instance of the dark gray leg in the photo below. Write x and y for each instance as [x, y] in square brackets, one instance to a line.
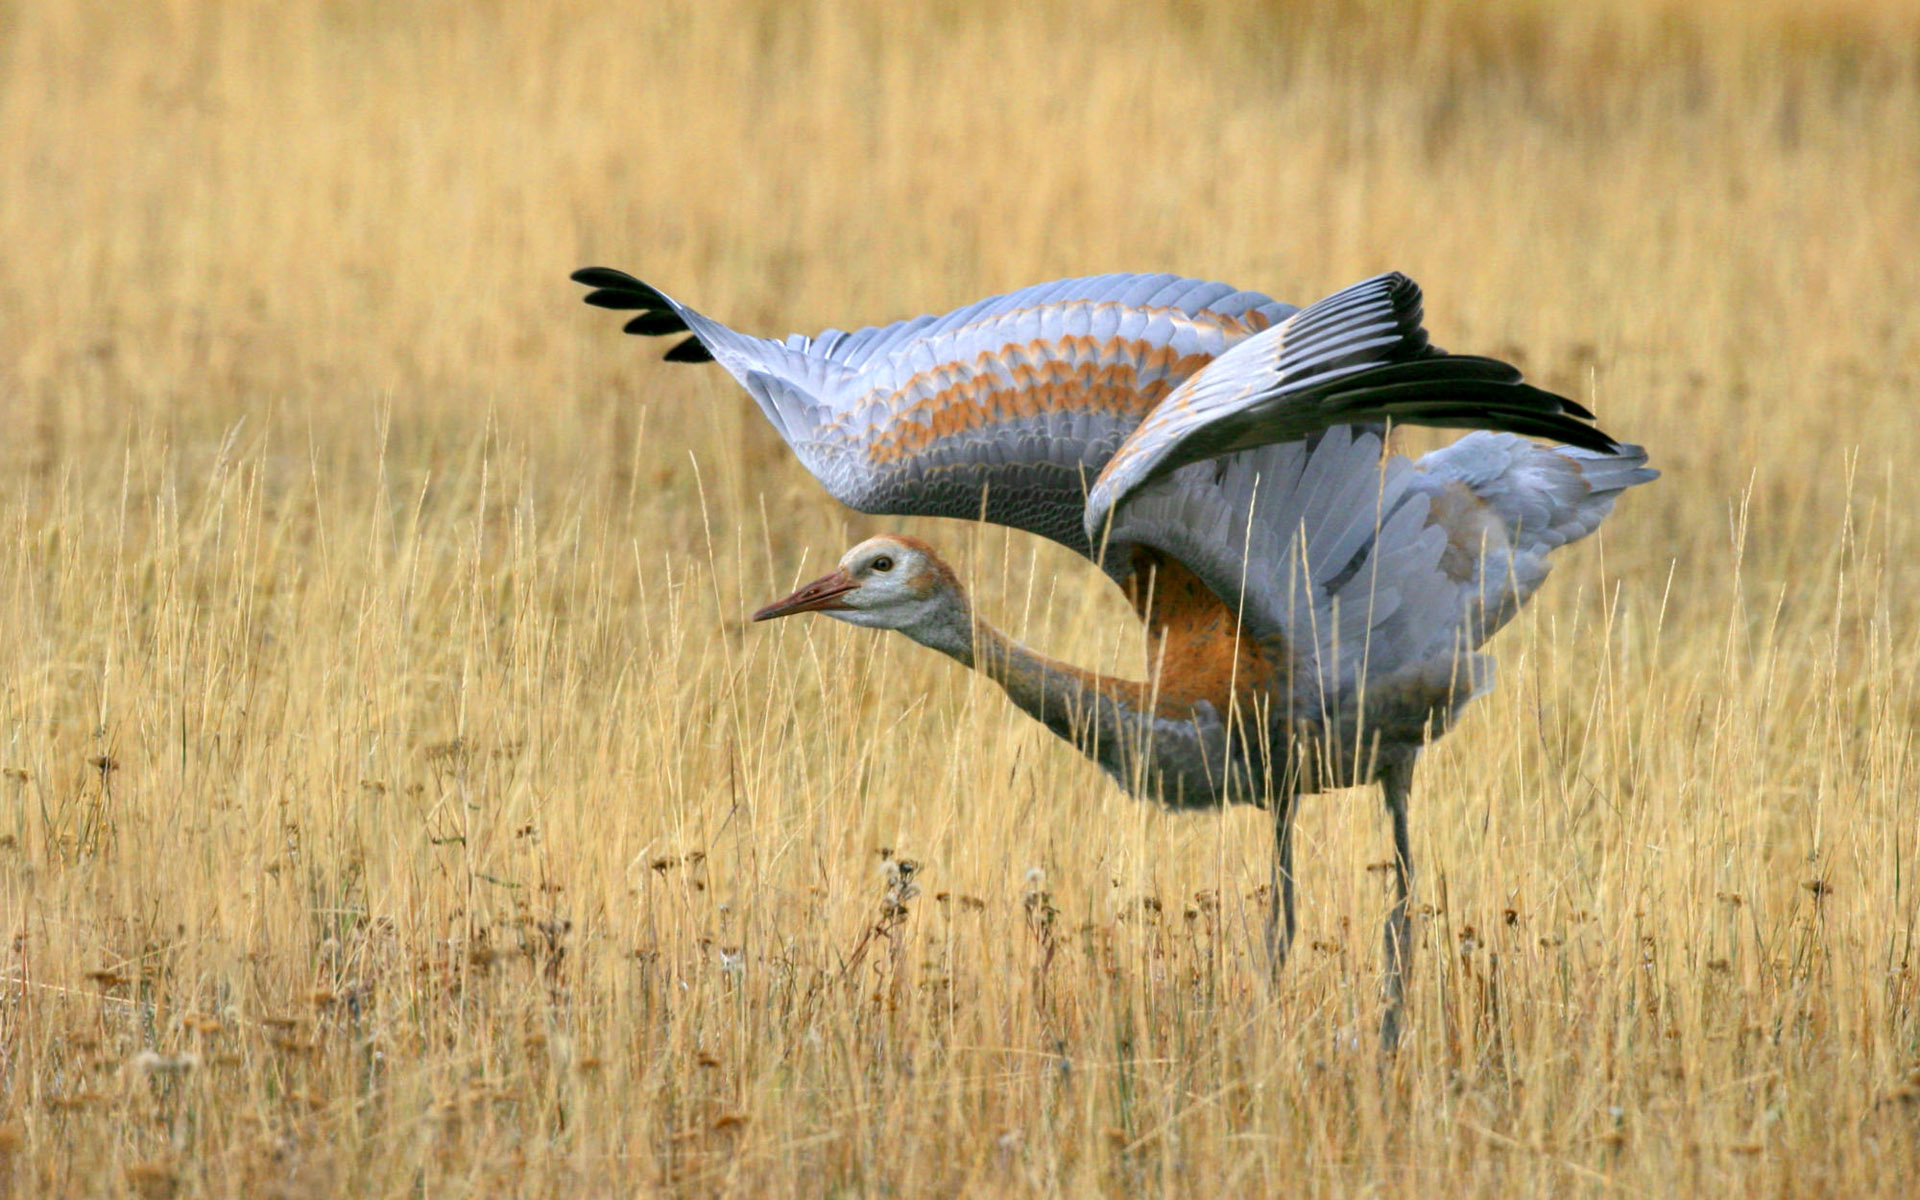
[1280, 894]
[1396, 783]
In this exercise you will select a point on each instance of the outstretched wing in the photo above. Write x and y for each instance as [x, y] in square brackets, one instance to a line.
[1371, 581]
[1004, 410]
[1358, 357]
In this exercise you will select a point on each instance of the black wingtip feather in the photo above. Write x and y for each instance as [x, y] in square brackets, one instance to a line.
[690, 351]
[1572, 408]
[1468, 393]
[623, 298]
[605, 277]
[622, 292]
[656, 324]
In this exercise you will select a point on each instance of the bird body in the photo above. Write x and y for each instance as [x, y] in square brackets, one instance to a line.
[1440, 568]
[1315, 605]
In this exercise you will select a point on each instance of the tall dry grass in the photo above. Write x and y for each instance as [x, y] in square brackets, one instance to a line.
[395, 804]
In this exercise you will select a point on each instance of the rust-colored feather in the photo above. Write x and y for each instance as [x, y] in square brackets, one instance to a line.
[1196, 649]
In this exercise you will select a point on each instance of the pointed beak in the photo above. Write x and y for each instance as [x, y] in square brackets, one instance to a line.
[822, 595]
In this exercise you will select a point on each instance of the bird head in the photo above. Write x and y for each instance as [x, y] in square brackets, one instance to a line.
[891, 582]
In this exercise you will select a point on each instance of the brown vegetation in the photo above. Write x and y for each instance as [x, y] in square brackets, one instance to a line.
[394, 803]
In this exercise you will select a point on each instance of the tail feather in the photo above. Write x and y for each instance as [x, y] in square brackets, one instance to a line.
[1527, 500]
[1616, 470]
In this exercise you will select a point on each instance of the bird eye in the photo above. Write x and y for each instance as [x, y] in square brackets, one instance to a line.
[883, 563]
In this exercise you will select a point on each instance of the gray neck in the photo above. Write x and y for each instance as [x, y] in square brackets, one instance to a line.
[1099, 717]
[951, 634]
[1065, 699]
[1108, 720]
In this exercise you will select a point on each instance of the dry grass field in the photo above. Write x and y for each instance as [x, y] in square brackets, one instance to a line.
[395, 803]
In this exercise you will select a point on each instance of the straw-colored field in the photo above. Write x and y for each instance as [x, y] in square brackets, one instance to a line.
[395, 803]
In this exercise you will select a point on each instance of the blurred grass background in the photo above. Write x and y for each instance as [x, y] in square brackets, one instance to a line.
[395, 804]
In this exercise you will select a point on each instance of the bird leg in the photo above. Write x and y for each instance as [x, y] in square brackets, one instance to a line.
[1396, 783]
[1280, 893]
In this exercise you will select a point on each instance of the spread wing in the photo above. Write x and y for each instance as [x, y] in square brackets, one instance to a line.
[1004, 410]
[1358, 357]
[1369, 580]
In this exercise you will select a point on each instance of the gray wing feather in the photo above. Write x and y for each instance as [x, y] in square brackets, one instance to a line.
[1320, 548]
[1361, 570]
[1374, 321]
[1358, 357]
[1376, 578]
[1004, 409]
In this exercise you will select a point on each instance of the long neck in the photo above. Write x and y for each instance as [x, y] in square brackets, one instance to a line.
[1182, 759]
[1108, 720]
[1111, 721]
[1075, 704]
[1078, 705]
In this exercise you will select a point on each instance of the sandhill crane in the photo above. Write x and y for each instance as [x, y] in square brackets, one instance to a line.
[1314, 604]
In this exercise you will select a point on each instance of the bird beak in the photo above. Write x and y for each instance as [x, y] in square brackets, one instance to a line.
[822, 595]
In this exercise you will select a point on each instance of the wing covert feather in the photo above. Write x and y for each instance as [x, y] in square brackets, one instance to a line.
[1359, 357]
[1004, 409]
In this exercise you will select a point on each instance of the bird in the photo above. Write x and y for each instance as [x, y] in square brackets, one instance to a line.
[1316, 604]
